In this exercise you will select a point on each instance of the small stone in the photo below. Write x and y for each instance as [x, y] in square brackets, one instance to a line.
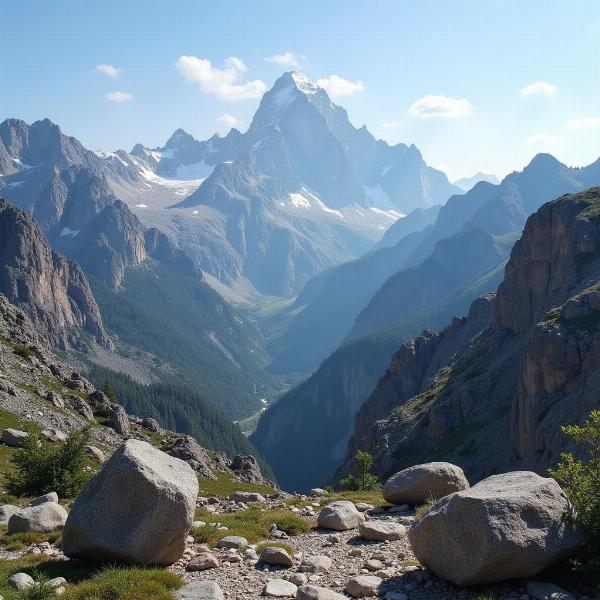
[381, 530]
[355, 552]
[95, 454]
[547, 591]
[202, 562]
[316, 564]
[54, 435]
[232, 541]
[57, 582]
[200, 590]
[363, 586]
[298, 579]
[317, 492]
[272, 555]
[280, 588]
[373, 565]
[313, 592]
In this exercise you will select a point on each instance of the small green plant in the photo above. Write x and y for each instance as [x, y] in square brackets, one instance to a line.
[23, 351]
[423, 509]
[40, 590]
[365, 479]
[41, 467]
[293, 524]
[581, 481]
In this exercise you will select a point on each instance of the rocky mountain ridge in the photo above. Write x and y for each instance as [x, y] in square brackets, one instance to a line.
[491, 391]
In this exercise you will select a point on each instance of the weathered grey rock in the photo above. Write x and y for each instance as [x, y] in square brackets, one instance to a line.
[298, 579]
[340, 516]
[186, 448]
[81, 406]
[55, 399]
[246, 497]
[137, 509]
[119, 420]
[316, 564]
[363, 506]
[99, 397]
[313, 592]
[54, 435]
[317, 492]
[202, 562]
[200, 590]
[507, 526]
[232, 541]
[151, 425]
[546, 591]
[20, 581]
[49, 497]
[280, 588]
[363, 586]
[272, 555]
[379, 531]
[56, 582]
[14, 437]
[40, 519]
[95, 454]
[420, 483]
[6, 512]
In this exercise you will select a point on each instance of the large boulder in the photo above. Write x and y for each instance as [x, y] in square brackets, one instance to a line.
[418, 484]
[507, 526]
[340, 516]
[6, 512]
[49, 497]
[14, 437]
[137, 509]
[39, 519]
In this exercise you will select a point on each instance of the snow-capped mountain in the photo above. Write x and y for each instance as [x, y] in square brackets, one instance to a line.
[262, 211]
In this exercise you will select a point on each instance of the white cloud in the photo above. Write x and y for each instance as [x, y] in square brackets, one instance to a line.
[539, 88]
[118, 96]
[445, 107]
[228, 121]
[584, 123]
[286, 59]
[109, 70]
[224, 83]
[336, 86]
[541, 139]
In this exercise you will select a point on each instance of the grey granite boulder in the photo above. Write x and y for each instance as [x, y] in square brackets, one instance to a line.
[43, 518]
[340, 516]
[137, 509]
[200, 590]
[507, 526]
[420, 483]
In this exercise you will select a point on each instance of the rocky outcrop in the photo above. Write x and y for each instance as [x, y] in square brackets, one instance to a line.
[137, 509]
[50, 288]
[495, 399]
[506, 527]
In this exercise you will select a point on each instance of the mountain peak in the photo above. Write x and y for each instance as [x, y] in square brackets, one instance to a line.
[179, 136]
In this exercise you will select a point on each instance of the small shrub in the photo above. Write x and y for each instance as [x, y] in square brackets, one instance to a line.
[424, 508]
[41, 467]
[365, 480]
[581, 481]
[292, 524]
[23, 351]
[40, 590]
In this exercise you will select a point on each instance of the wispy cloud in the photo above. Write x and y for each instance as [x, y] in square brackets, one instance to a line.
[223, 83]
[445, 107]
[542, 139]
[118, 97]
[539, 88]
[337, 86]
[109, 70]
[228, 121]
[584, 123]
[286, 59]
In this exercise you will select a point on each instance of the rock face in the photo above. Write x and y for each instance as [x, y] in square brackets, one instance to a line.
[43, 518]
[137, 509]
[340, 516]
[491, 397]
[50, 288]
[420, 483]
[505, 527]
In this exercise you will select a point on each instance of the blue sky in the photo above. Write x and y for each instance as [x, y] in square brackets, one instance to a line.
[450, 76]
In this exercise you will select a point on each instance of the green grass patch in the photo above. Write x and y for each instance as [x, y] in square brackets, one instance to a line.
[281, 545]
[88, 581]
[223, 486]
[373, 497]
[253, 524]
[20, 541]
[23, 351]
